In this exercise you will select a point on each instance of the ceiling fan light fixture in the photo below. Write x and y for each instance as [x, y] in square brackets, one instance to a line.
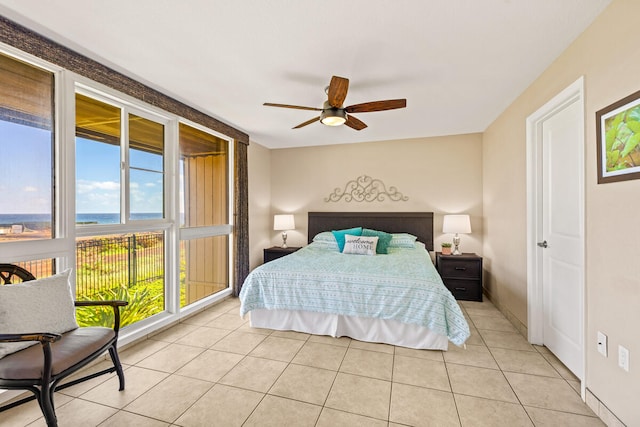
[333, 117]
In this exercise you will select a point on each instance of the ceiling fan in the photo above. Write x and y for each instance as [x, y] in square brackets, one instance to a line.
[333, 112]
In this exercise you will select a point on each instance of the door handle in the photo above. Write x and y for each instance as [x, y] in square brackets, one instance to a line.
[543, 244]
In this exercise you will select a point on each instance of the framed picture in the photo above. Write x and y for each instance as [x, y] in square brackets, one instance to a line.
[618, 135]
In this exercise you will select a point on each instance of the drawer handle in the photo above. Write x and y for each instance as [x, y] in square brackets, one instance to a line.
[460, 289]
[461, 268]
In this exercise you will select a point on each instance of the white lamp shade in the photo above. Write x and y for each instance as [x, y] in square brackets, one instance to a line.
[284, 222]
[456, 224]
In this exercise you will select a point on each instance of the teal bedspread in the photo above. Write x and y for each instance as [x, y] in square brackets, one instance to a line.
[402, 285]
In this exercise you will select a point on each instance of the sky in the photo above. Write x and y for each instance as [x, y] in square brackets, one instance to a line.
[25, 174]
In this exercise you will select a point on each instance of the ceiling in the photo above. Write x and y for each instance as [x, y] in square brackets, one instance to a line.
[459, 63]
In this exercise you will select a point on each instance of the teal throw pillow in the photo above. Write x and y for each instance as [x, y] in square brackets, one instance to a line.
[383, 239]
[339, 235]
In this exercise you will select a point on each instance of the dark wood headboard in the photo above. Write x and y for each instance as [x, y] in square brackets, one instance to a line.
[420, 224]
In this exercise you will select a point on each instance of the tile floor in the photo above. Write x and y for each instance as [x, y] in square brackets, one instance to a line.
[214, 370]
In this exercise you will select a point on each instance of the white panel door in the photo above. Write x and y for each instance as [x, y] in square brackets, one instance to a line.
[563, 232]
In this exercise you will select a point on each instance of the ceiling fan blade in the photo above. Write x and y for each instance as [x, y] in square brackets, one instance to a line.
[308, 122]
[367, 107]
[297, 107]
[337, 91]
[354, 123]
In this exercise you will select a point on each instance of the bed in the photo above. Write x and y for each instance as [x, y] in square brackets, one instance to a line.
[397, 298]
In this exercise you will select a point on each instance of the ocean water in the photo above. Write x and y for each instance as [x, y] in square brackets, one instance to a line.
[40, 221]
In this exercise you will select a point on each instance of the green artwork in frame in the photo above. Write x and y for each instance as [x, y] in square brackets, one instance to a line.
[618, 135]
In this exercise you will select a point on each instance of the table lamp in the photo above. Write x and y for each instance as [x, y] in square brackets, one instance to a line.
[456, 224]
[283, 223]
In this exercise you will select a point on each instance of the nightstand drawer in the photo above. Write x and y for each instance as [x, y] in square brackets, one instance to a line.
[276, 252]
[466, 268]
[469, 290]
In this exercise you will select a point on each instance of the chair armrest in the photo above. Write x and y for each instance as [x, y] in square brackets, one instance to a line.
[115, 304]
[40, 336]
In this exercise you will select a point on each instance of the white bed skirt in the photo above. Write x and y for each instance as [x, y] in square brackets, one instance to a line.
[363, 329]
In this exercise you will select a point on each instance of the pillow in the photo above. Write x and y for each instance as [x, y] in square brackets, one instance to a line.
[360, 245]
[339, 235]
[324, 236]
[43, 305]
[402, 240]
[383, 239]
[325, 240]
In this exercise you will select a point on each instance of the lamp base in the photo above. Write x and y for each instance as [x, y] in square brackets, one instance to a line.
[456, 242]
[284, 240]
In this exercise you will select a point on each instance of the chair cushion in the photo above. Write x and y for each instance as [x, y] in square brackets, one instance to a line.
[74, 347]
[43, 305]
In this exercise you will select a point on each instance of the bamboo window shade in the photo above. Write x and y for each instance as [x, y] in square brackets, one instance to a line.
[26, 94]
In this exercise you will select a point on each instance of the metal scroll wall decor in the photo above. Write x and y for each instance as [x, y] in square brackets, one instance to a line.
[365, 189]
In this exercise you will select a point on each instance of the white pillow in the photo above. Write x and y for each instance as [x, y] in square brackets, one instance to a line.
[361, 245]
[43, 305]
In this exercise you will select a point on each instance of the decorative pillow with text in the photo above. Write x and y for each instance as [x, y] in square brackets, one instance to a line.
[360, 245]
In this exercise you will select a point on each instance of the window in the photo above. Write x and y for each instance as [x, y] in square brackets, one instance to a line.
[27, 146]
[204, 212]
[119, 183]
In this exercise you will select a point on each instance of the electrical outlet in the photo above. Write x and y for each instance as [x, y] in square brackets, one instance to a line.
[602, 344]
[623, 358]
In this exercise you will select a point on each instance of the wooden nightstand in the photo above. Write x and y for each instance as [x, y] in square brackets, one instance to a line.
[276, 252]
[461, 274]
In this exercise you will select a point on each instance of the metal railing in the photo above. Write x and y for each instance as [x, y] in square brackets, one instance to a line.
[104, 263]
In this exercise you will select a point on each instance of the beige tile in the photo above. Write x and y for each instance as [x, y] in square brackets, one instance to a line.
[169, 399]
[510, 340]
[493, 323]
[435, 355]
[559, 366]
[134, 354]
[480, 382]
[128, 419]
[203, 337]
[246, 327]
[227, 321]
[210, 365]
[525, 362]
[372, 346]
[320, 355]
[472, 355]
[275, 348]
[254, 373]
[171, 358]
[277, 412]
[239, 342]
[360, 395]
[325, 339]
[575, 385]
[478, 412]
[334, 418]
[137, 382]
[85, 386]
[228, 406]
[174, 333]
[79, 412]
[420, 372]
[547, 418]
[368, 363]
[29, 412]
[202, 318]
[474, 338]
[548, 393]
[417, 406]
[291, 334]
[304, 383]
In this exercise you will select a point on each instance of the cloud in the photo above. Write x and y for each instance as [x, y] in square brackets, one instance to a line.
[30, 189]
[83, 186]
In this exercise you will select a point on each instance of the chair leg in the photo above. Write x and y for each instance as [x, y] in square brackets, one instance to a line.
[45, 399]
[113, 352]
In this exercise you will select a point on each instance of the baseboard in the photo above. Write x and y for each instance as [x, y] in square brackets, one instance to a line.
[601, 410]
